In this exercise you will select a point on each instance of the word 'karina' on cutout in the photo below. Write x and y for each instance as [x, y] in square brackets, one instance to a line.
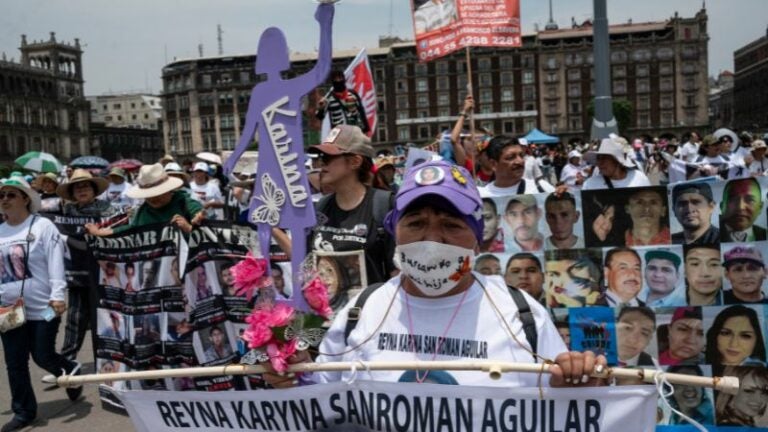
[286, 160]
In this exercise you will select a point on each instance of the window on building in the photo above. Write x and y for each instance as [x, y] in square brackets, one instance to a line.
[227, 121]
[507, 78]
[574, 74]
[484, 64]
[443, 99]
[619, 87]
[643, 85]
[507, 94]
[619, 71]
[245, 77]
[528, 61]
[507, 107]
[382, 134]
[667, 118]
[618, 57]
[444, 112]
[422, 85]
[402, 114]
[119, 118]
[424, 132]
[528, 77]
[486, 109]
[665, 68]
[666, 84]
[485, 80]
[643, 102]
[575, 124]
[420, 69]
[551, 77]
[404, 133]
[643, 120]
[551, 63]
[442, 67]
[574, 90]
[442, 83]
[401, 85]
[575, 107]
[486, 95]
[529, 124]
[401, 71]
[509, 127]
[422, 100]
[552, 108]
[642, 70]
[133, 105]
[529, 93]
[461, 82]
[117, 106]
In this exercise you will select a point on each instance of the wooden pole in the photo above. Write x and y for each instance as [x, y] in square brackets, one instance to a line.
[471, 113]
[494, 369]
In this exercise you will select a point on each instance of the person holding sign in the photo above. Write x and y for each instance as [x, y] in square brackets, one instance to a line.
[447, 311]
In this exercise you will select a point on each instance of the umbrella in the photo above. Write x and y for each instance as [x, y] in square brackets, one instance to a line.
[127, 164]
[209, 157]
[39, 162]
[89, 162]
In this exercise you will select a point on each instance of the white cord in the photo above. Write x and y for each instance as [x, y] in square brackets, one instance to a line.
[661, 382]
[352, 376]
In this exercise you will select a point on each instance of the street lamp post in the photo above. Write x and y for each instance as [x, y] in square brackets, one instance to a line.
[604, 123]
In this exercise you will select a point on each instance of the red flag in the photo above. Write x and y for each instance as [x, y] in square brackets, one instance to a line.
[360, 78]
[444, 26]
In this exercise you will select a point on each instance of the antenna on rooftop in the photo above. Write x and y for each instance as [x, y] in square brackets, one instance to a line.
[200, 49]
[551, 24]
[391, 18]
[220, 33]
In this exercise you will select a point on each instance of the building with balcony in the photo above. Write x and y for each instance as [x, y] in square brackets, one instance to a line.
[750, 85]
[659, 67]
[138, 111]
[41, 101]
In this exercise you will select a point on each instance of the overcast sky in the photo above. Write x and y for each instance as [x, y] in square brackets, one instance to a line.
[126, 43]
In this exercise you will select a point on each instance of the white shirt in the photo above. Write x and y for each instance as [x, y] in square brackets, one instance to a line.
[532, 168]
[689, 152]
[475, 334]
[491, 190]
[569, 174]
[206, 193]
[758, 166]
[634, 178]
[45, 279]
[115, 194]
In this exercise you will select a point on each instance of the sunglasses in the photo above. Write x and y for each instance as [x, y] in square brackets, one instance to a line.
[9, 195]
[327, 158]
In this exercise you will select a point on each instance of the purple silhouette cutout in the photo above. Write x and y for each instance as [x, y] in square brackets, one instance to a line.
[281, 194]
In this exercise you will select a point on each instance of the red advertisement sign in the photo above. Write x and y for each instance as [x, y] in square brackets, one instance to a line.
[444, 26]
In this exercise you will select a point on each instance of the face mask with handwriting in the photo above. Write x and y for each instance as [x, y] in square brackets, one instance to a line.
[434, 268]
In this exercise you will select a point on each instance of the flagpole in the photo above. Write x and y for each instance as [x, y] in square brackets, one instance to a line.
[471, 113]
[727, 384]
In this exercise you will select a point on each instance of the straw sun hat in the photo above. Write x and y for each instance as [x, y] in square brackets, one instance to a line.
[153, 181]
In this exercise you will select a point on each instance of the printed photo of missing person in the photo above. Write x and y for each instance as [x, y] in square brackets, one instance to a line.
[168, 273]
[735, 336]
[145, 329]
[744, 272]
[240, 343]
[225, 280]
[493, 234]
[561, 212]
[604, 218]
[572, 277]
[176, 327]
[695, 213]
[749, 406]
[110, 274]
[111, 324]
[623, 278]
[648, 217]
[149, 273]
[594, 329]
[131, 277]
[693, 401]
[742, 212]
[525, 271]
[343, 273]
[635, 336]
[523, 224]
[215, 344]
[680, 335]
[663, 276]
[282, 278]
[107, 366]
[489, 264]
[703, 274]
[198, 284]
[563, 325]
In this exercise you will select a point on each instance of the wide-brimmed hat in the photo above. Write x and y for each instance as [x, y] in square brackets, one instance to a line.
[167, 158]
[50, 176]
[153, 181]
[758, 144]
[345, 139]
[610, 147]
[22, 185]
[173, 169]
[65, 190]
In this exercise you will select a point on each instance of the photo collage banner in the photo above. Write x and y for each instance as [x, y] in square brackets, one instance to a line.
[675, 273]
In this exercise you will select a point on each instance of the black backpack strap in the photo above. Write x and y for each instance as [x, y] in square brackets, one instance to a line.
[526, 317]
[382, 204]
[608, 182]
[354, 313]
[538, 186]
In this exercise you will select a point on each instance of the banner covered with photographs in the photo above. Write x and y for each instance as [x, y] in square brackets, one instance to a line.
[675, 273]
[168, 302]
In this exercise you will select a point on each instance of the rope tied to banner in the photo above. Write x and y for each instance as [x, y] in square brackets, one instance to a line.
[666, 390]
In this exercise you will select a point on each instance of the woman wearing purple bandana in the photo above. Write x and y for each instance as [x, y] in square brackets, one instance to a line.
[445, 310]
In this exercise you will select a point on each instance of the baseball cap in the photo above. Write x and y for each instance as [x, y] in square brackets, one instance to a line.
[345, 139]
[665, 255]
[700, 188]
[574, 154]
[440, 178]
[758, 144]
[117, 172]
[686, 312]
[743, 253]
[201, 166]
[526, 200]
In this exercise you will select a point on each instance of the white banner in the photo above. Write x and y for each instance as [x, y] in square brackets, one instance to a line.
[381, 406]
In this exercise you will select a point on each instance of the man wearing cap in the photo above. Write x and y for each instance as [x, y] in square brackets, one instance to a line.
[623, 278]
[745, 271]
[742, 204]
[693, 206]
[437, 229]
[759, 162]
[351, 218]
[703, 274]
[385, 173]
[508, 158]
[685, 338]
[521, 225]
[615, 170]
[207, 191]
[572, 173]
[662, 277]
[115, 193]
[648, 210]
[561, 215]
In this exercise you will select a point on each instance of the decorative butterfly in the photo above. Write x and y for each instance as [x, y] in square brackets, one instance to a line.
[253, 357]
[304, 337]
[273, 199]
[458, 176]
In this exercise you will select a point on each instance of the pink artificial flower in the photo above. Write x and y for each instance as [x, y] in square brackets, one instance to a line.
[316, 294]
[257, 335]
[281, 315]
[279, 353]
[248, 275]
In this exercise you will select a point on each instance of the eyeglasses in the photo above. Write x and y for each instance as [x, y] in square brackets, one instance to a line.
[9, 195]
[326, 158]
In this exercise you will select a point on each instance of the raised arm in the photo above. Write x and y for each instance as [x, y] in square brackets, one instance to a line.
[318, 74]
